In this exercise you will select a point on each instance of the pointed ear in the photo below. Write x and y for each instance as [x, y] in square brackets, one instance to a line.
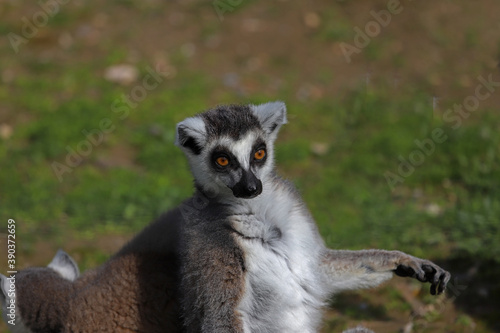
[4, 286]
[271, 116]
[65, 266]
[191, 134]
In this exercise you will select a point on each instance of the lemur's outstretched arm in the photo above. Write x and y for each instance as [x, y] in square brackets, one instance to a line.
[348, 270]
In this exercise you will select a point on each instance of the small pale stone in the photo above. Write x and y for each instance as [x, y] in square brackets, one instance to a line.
[123, 74]
[312, 20]
[5, 131]
[319, 148]
[433, 209]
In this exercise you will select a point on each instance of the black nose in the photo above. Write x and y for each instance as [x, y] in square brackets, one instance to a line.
[248, 187]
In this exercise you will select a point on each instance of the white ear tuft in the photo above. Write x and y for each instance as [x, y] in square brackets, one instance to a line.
[4, 286]
[65, 266]
[191, 134]
[271, 115]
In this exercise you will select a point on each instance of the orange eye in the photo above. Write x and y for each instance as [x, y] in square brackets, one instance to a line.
[222, 161]
[259, 154]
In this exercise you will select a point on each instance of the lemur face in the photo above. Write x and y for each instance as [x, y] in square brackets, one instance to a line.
[239, 164]
[230, 148]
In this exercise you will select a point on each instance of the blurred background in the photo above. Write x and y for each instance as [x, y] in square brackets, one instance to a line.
[393, 136]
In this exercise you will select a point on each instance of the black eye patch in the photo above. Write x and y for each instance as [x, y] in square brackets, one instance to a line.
[221, 151]
[258, 145]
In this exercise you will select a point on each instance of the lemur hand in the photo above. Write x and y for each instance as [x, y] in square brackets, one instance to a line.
[424, 271]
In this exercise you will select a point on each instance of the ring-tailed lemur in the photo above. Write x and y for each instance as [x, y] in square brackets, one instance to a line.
[252, 259]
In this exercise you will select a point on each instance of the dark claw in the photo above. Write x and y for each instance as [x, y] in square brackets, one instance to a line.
[425, 271]
[433, 289]
[443, 279]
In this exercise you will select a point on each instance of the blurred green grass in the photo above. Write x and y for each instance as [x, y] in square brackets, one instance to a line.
[448, 208]
[344, 186]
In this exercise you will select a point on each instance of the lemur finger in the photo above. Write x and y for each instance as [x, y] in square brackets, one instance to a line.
[404, 271]
[439, 282]
[433, 289]
[412, 270]
[444, 279]
[420, 274]
[431, 274]
[436, 286]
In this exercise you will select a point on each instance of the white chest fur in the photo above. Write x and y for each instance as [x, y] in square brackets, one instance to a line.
[283, 292]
